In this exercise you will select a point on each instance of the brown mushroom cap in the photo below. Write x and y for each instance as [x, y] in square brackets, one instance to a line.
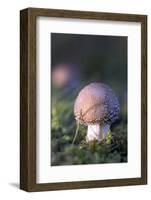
[96, 103]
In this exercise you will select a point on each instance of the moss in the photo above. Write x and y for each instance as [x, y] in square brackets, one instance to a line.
[63, 152]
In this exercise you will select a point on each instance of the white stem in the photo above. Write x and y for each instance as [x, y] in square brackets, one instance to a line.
[97, 132]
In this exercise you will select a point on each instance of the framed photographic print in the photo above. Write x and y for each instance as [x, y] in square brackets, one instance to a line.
[83, 99]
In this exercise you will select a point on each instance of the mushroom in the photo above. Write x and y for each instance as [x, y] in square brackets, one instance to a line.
[97, 107]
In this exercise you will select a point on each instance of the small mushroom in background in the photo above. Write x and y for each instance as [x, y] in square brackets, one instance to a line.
[65, 78]
[97, 107]
[64, 75]
[61, 75]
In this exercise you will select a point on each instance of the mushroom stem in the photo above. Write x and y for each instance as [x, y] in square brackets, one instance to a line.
[97, 132]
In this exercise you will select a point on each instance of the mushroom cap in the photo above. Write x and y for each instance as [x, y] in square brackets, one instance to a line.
[96, 103]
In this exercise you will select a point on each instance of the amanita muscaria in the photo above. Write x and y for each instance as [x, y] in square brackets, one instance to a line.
[96, 106]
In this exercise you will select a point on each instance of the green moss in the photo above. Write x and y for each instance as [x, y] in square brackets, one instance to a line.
[108, 137]
[63, 127]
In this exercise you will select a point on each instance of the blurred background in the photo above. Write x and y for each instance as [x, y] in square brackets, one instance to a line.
[77, 60]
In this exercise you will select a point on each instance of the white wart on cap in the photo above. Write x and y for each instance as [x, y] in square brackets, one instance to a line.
[97, 107]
